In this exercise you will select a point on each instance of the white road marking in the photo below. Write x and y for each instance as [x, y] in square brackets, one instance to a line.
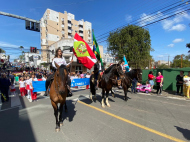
[0, 102]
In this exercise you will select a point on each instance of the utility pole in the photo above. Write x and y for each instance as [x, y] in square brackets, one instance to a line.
[168, 60]
[181, 61]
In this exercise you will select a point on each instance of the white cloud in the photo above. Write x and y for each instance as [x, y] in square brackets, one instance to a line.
[178, 27]
[160, 56]
[178, 40]
[172, 25]
[146, 18]
[128, 18]
[5, 44]
[171, 45]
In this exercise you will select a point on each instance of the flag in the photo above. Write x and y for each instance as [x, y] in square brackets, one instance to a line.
[126, 64]
[96, 49]
[83, 52]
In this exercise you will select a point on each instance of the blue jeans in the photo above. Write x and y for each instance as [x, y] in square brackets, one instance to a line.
[133, 88]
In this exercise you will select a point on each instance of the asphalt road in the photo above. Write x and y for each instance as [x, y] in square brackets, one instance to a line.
[143, 118]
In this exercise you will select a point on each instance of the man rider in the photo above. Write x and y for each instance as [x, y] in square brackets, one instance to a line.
[97, 70]
[123, 68]
[60, 61]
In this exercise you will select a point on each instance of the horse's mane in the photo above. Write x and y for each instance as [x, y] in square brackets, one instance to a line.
[110, 68]
[61, 70]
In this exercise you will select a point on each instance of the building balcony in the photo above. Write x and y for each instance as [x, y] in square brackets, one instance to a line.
[80, 29]
[69, 31]
[69, 36]
[80, 34]
[80, 22]
[62, 19]
[69, 25]
[62, 26]
[89, 37]
[69, 18]
[63, 32]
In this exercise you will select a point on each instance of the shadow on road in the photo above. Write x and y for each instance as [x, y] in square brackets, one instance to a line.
[69, 115]
[185, 132]
[15, 124]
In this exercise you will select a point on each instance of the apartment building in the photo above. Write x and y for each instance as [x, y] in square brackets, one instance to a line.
[56, 26]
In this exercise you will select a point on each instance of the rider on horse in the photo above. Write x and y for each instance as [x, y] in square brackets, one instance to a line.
[60, 61]
[97, 70]
[123, 68]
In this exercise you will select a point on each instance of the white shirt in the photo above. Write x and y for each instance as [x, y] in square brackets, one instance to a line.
[28, 82]
[122, 67]
[87, 76]
[43, 79]
[59, 61]
[22, 84]
[100, 67]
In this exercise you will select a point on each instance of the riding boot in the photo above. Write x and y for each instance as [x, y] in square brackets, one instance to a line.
[69, 92]
[119, 84]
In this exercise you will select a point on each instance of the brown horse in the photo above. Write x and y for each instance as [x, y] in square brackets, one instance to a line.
[108, 79]
[59, 92]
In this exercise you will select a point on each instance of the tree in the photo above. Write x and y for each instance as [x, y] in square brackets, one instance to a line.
[133, 42]
[21, 57]
[2, 51]
[21, 47]
[162, 66]
[177, 61]
[188, 46]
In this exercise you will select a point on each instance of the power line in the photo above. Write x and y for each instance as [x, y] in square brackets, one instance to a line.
[145, 18]
[153, 22]
[141, 7]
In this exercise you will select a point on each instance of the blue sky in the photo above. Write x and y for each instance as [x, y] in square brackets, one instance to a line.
[169, 37]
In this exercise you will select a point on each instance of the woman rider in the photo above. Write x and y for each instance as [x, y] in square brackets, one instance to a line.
[60, 61]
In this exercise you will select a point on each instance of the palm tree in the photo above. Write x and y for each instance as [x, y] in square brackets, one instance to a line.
[21, 47]
[2, 51]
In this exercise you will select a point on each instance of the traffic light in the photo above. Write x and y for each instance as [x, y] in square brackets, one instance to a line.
[33, 26]
[33, 49]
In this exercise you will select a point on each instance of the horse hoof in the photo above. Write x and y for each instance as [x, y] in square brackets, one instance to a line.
[108, 105]
[113, 95]
[57, 129]
[61, 123]
[103, 106]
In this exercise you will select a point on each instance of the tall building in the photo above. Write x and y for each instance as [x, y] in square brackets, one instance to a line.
[55, 26]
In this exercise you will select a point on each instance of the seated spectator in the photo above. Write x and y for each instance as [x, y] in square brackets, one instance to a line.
[179, 83]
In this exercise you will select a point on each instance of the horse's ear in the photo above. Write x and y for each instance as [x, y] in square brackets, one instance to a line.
[57, 66]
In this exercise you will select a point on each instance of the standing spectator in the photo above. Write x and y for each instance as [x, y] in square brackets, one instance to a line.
[134, 83]
[12, 78]
[4, 87]
[87, 76]
[150, 79]
[12, 90]
[179, 84]
[159, 83]
[22, 87]
[16, 79]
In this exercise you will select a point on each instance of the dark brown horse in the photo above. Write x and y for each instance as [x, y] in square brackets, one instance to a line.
[108, 79]
[127, 80]
[58, 93]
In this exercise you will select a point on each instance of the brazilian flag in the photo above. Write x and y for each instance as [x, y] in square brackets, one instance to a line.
[96, 50]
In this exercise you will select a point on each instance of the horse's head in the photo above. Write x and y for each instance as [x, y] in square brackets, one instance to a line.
[60, 78]
[119, 71]
[138, 74]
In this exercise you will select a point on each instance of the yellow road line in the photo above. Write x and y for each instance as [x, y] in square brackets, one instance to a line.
[135, 124]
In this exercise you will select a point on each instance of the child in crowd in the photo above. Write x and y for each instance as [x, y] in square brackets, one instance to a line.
[13, 89]
[133, 88]
[22, 87]
[29, 87]
[33, 94]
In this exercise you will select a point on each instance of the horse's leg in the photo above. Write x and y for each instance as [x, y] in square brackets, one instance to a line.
[125, 91]
[107, 103]
[95, 94]
[103, 92]
[112, 92]
[65, 107]
[57, 128]
[60, 114]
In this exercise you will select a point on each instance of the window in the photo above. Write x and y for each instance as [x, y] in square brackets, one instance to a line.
[78, 69]
[57, 23]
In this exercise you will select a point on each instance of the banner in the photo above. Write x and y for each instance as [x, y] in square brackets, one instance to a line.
[39, 86]
[80, 82]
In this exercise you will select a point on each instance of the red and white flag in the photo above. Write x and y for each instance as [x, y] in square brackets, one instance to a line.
[83, 52]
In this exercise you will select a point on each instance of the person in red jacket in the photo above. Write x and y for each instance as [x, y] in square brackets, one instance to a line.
[150, 79]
